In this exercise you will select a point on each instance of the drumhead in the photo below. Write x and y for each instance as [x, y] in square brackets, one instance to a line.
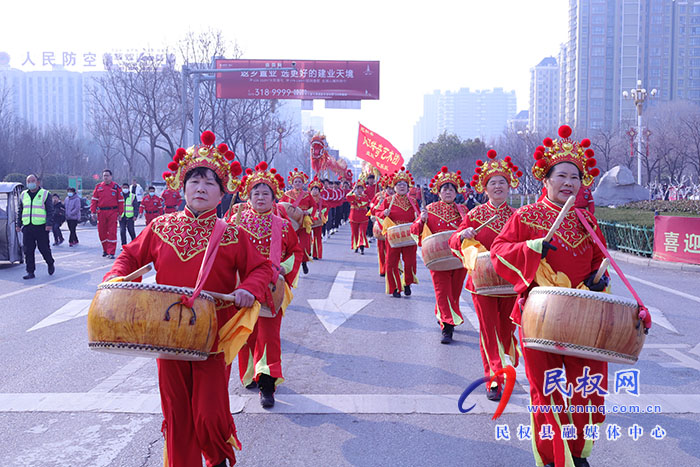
[154, 288]
[599, 296]
[444, 233]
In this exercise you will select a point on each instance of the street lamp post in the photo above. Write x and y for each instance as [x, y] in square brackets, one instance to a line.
[639, 95]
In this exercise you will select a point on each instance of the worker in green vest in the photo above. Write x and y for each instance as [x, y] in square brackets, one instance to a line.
[35, 214]
[131, 210]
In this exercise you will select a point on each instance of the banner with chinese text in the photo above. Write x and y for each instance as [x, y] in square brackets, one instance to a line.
[677, 239]
[308, 79]
[378, 151]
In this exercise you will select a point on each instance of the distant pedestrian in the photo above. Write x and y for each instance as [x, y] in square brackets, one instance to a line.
[171, 199]
[59, 216]
[137, 191]
[152, 205]
[72, 205]
[107, 204]
[35, 214]
[126, 220]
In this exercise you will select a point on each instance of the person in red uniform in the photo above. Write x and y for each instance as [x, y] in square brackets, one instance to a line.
[194, 394]
[317, 190]
[374, 210]
[107, 205]
[371, 188]
[303, 200]
[571, 259]
[496, 330]
[171, 200]
[359, 205]
[395, 210]
[151, 205]
[441, 216]
[260, 359]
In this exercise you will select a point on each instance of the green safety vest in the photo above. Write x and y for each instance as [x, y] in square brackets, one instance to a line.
[33, 210]
[129, 206]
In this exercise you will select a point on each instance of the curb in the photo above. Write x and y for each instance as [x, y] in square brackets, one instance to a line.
[642, 261]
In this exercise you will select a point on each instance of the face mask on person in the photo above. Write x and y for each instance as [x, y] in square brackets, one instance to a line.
[152, 193]
[31, 185]
[125, 190]
[70, 193]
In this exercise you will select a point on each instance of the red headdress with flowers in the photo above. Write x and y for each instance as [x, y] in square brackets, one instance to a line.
[271, 178]
[316, 183]
[217, 158]
[296, 173]
[553, 152]
[491, 167]
[402, 175]
[445, 176]
[361, 182]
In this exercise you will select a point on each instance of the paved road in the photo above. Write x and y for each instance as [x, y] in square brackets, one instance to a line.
[367, 385]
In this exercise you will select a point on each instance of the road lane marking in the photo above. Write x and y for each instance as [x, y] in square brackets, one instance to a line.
[683, 360]
[38, 286]
[121, 375]
[430, 404]
[664, 288]
[71, 310]
[60, 257]
[338, 307]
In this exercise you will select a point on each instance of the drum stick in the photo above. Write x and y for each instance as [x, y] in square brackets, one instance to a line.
[238, 214]
[560, 218]
[221, 296]
[138, 273]
[601, 270]
[476, 231]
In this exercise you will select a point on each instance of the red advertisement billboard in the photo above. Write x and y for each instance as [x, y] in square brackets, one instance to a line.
[378, 151]
[677, 239]
[309, 79]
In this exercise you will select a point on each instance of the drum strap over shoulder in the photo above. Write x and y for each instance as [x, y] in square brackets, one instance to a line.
[644, 314]
[208, 261]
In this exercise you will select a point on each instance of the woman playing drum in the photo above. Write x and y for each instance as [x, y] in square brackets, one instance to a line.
[304, 201]
[521, 255]
[396, 210]
[373, 208]
[497, 338]
[320, 218]
[194, 395]
[441, 216]
[259, 361]
[359, 204]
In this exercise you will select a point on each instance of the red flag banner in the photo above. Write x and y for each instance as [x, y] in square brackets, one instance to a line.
[379, 152]
[677, 239]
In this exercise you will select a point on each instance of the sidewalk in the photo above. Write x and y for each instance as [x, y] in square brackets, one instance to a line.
[642, 261]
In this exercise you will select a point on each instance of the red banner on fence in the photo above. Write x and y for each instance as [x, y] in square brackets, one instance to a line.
[308, 79]
[677, 239]
[378, 151]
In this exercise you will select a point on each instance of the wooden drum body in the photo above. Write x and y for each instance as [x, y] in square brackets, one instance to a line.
[485, 279]
[377, 231]
[147, 319]
[277, 298]
[582, 323]
[295, 215]
[399, 236]
[437, 254]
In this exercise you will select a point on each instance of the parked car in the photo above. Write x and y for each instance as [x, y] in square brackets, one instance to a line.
[10, 239]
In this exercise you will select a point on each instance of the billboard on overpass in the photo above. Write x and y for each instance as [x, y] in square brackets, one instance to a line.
[309, 79]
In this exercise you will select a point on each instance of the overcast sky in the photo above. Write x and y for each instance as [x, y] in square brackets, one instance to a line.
[439, 44]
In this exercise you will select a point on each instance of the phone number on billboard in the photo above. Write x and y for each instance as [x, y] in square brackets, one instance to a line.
[277, 92]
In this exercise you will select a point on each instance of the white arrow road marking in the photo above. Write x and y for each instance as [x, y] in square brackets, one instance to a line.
[657, 317]
[38, 286]
[683, 360]
[661, 287]
[121, 375]
[71, 310]
[695, 350]
[338, 307]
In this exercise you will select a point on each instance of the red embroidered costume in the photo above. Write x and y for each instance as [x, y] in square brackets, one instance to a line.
[517, 256]
[304, 201]
[359, 205]
[194, 395]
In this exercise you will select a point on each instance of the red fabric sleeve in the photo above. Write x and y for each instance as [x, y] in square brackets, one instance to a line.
[512, 258]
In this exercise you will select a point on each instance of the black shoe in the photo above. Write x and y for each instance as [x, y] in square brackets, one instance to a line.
[52, 269]
[305, 268]
[266, 383]
[493, 394]
[581, 462]
[551, 464]
[30, 275]
[315, 258]
[110, 256]
[396, 294]
[356, 250]
[407, 290]
[447, 331]
[223, 464]
[362, 250]
[104, 253]
[382, 275]
[252, 385]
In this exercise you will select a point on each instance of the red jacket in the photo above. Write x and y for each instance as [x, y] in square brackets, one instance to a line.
[107, 195]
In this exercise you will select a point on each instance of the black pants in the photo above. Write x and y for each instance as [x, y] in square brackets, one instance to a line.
[57, 234]
[126, 223]
[370, 225]
[36, 236]
[73, 238]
